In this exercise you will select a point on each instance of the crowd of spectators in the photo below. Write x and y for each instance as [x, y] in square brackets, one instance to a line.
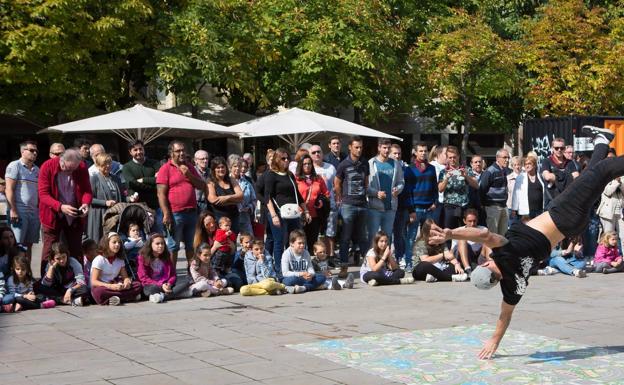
[111, 232]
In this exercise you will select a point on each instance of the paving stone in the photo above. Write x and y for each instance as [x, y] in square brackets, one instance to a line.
[212, 376]
[152, 379]
[262, 370]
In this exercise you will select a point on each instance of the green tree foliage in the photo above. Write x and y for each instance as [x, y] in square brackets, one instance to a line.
[465, 71]
[573, 55]
[60, 59]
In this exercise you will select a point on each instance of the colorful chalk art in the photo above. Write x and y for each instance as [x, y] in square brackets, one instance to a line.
[448, 357]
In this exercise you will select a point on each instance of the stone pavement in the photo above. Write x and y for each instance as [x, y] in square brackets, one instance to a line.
[242, 340]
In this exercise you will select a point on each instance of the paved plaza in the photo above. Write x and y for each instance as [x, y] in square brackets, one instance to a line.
[565, 330]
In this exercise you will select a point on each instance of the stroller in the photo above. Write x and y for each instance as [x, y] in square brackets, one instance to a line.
[117, 219]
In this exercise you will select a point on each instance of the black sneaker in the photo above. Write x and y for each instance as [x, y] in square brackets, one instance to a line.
[594, 131]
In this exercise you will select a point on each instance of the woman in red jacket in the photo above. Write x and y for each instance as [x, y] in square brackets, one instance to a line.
[312, 187]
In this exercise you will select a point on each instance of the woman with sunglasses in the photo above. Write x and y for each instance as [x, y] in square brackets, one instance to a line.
[283, 198]
[312, 187]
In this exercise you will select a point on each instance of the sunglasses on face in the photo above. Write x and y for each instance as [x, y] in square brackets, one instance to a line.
[33, 150]
[315, 152]
[285, 159]
[558, 148]
[56, 153]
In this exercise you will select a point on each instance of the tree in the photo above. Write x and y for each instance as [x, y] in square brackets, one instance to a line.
[60, 59]
[572, 54]
[465, 69]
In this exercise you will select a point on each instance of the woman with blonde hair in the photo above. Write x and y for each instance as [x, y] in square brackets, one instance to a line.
[527, 198]
[107, 191]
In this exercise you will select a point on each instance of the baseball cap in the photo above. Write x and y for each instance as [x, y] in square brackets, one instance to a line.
[483, 278]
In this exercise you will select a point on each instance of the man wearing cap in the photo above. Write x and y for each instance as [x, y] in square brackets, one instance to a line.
[524, 246]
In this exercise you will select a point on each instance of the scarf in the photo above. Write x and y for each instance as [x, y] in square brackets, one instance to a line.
[557, 163]
[422, 165]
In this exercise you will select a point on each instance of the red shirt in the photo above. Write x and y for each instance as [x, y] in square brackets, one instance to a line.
[181, 194]
[223, 240]
[49, 203]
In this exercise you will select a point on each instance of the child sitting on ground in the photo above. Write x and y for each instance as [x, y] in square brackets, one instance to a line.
[297, 269]
[608, 259]
[380, 267]
[110, 283]
[260, 272]
[238, 266]
[204, 279]
[21, 295]
[321, 266]
[133, 243]
[64, 279]
[89, 252]
[569, 261]
[157, 274]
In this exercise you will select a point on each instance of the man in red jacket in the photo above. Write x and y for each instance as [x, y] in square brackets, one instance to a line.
[64, 199]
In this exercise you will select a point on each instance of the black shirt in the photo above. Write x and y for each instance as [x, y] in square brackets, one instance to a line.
[353, 176]
[333, 159]
[281, 188]
[563, 173]
[535, 195]
[526, 248]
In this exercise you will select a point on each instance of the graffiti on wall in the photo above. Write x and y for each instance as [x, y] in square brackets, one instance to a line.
[542, 145]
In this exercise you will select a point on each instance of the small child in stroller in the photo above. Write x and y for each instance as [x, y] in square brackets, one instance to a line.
[133, 242]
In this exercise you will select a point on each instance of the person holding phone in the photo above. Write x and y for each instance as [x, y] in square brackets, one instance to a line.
[454, 181]
[64, 200]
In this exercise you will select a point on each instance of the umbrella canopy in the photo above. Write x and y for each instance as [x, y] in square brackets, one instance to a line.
[297, 126]
[142, 123]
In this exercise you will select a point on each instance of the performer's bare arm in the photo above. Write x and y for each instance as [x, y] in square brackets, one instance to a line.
[501, 327]
[483, 236]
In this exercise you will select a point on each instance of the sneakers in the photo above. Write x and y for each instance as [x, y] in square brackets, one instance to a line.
[114, 301]
[344, 271]
[407, 280]
[547, 271]
[226, 291]
[299, 289]
[578, 273]
[349, 282]
[596, 132]
[77, 301]
[408, 268]
[157, 298]
[372, 282]
[459, 277]
[430, 278]
[335, 285]
[206, 293]
[49, 304]
[468, 271]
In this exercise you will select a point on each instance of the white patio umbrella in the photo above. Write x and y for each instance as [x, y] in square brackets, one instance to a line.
[142, 123]
[297, 126]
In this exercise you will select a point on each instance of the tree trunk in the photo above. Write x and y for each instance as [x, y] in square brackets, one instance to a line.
[466, 127]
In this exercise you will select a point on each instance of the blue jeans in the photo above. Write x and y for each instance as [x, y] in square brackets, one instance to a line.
[412, 229]
[280, 237]
[8, 299]
[184, 225]
[310, 284]
[353, 228]
[380, 220]
[565, 265]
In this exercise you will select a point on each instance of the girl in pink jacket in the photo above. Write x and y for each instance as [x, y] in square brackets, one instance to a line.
[608, 259]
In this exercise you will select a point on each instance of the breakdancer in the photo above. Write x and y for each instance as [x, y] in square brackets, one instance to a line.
[525, 245]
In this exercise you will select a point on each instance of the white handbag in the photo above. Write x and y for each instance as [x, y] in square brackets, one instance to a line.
[290, 210]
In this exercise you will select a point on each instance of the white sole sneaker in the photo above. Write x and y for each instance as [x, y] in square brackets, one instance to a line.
[114, 301]
[335, 285]
[594, 131]
[155, 298]
[430, 278]
[372, 282]
[349, 282]
[459, 277]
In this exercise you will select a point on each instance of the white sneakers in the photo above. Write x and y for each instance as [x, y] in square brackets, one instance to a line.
[430, 278]
[157, 297]
[114, 301]
[459, 277]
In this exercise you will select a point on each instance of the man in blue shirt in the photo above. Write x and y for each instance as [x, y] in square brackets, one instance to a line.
[385, 183]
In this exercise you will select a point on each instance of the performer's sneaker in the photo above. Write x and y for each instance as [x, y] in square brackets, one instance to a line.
[595, 131]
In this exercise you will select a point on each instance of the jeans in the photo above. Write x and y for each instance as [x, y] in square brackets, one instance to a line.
[280, 237]
[184, 222]
[565, 265]
[179, 290]
[404, 248]
[244, 222]
[423, 268]
[385, 277]
[310, 284]
[353, 228]
[380, 220]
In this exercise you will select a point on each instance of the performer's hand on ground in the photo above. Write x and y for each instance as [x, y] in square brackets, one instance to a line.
[488, 349]
[438, 235]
